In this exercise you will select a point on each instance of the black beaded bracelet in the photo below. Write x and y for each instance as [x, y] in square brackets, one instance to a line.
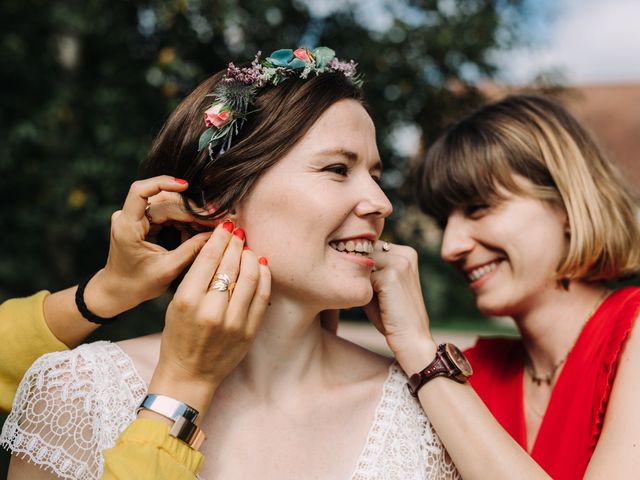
[82, 307]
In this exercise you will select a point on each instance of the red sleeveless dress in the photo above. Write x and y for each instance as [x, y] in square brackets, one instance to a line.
[573, 420]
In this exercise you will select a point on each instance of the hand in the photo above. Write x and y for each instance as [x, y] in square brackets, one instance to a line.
[136, 269]
[397, 309]
[208, 332]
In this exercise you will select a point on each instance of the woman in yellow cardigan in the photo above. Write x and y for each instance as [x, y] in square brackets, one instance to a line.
[137, 271]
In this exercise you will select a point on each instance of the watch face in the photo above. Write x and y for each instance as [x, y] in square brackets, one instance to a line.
[458, 358]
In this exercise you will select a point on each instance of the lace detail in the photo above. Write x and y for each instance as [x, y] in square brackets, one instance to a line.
[402, 444]
[72, 405]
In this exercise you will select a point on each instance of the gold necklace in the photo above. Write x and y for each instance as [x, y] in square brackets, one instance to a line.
[548, 378]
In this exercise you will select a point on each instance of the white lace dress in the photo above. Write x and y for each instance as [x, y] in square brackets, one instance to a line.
[72, 405]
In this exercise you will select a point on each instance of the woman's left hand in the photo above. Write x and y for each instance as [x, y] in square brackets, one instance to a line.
[397, 309]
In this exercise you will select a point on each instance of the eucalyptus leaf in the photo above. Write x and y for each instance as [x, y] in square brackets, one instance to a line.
[206, 137]
[296, 63]
[323, 56]
[281, 58]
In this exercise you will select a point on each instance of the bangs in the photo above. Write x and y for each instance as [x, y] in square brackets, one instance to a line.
[530, 145]
[465, 166]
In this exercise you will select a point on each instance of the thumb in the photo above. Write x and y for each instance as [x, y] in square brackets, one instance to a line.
[184, 255]
[372, 311]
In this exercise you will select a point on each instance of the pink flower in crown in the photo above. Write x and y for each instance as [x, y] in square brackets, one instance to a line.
[302, 54]
[217, 116]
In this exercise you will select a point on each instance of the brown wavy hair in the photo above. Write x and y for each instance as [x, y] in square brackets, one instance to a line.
[279, 118]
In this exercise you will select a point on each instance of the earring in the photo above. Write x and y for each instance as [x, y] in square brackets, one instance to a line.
[228, 217]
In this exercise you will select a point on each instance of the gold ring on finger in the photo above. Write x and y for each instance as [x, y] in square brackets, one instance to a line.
[386, 246]
[221, 282]
[147, 213]
[230, 289]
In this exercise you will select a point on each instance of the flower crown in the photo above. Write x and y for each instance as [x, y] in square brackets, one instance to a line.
[239, 86]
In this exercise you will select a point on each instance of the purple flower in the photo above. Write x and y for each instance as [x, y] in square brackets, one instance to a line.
[346, 68]
[245, 75]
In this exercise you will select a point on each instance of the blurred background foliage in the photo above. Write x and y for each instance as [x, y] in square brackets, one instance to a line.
[87, 85]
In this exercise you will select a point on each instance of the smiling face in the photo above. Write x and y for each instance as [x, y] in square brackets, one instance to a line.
[316, 213]
[509, 251]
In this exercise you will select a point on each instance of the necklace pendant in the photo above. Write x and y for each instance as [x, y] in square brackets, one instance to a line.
[539, 380]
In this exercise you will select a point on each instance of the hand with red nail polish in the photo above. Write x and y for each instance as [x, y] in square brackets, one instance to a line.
[136, 269]
[207, 331]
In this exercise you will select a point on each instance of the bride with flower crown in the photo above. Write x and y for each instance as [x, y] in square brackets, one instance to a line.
[287, 157]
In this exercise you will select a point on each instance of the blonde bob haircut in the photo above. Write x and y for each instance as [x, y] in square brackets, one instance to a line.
[536, 138]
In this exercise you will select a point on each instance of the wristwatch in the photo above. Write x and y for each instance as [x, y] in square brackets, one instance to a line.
[182, 415]
[449, 362]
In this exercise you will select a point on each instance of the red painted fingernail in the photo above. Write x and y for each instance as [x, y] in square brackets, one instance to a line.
[228, 226]
[245, 248]
[239, 233]
[263, 261]
[180, 181]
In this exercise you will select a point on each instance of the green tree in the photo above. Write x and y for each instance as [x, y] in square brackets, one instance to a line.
[87, 84]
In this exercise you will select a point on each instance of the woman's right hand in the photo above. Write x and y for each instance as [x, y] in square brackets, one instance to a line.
[137, 269]
[398, 310]
[208, 332]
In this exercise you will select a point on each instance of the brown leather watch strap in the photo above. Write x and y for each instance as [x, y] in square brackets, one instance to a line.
[440, 366]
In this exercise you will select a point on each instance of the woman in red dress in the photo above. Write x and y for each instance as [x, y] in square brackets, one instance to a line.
[536, 219]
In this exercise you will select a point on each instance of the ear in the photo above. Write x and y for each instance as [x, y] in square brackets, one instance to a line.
[230, 215]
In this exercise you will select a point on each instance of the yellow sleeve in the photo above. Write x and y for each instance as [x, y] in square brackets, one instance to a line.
[146, 451]
[25, 337]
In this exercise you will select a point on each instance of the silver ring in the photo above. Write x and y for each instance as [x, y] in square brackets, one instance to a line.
[147, 213]
[386, 246]
[221, 283]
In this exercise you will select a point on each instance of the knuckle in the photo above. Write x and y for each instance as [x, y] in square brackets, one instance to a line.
[213, 321]
[248, 336]
[209, 251]
[234, 330]
[252, 276]
[117, 231]
[136, 187]
[263, 296]
[184, 303]
[403, 263]
[411, 254]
